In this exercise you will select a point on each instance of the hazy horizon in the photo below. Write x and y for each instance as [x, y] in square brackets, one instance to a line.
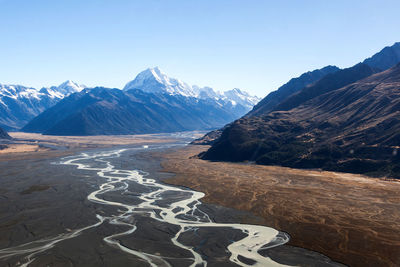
[226, 44]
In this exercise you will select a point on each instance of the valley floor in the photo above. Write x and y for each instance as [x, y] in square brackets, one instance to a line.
[36, 146]
[43, 200]
[351, 218]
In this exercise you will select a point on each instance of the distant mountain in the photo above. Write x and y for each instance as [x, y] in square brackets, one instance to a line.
[294, 85]
[153, 80]
[112, 111]
[4, 134]
[345, 121]
[68, 87]
[386, 58]
[240, 97]
[19, 104]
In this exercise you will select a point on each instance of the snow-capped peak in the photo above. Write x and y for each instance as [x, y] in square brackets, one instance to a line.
[241, 97]
[23, 93]
[153, 80]
[68, 87]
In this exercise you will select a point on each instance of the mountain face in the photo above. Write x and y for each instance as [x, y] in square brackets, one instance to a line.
[103, 111]
[19, 104]
[4, 134]
[386, 58]
[355, 128]
[345, 121]
[153, 80]
[326, 84]
[294, 85]
[327, 78]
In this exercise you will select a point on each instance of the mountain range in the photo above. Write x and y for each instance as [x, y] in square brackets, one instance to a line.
[151, 103]
[19, 104]
[348, 120]
[100, 111]
[153, 80]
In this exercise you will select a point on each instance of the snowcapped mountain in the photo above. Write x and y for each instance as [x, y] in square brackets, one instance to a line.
[153, 80]
[104, 111]
[241, 97]
[19, 104]
[68, 87]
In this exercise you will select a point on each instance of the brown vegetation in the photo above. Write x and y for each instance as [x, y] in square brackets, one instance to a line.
[350, 218]
[354, 129]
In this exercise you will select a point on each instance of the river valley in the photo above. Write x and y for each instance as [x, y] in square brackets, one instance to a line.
[108, 207]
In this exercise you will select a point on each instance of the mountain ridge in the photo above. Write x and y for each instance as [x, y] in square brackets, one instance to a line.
[386, 58]
[292, 86]
[19, 104]
[347, 121]
[153, 80]
[112, 111]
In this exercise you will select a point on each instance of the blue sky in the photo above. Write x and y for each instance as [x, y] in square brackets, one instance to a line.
[249, 44]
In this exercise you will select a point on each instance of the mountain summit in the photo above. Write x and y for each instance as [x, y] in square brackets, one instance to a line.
[68, 87]
[153, 80]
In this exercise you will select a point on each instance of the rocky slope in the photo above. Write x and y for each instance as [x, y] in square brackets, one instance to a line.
[355, 128]
[330, 82]
[322, 80]
[386, 58]
[346, 121]
[294, 85]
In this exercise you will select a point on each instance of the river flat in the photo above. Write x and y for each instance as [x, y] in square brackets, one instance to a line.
[44, 200]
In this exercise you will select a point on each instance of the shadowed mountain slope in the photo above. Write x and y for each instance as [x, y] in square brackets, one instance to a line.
[4, 134]
[294, 85]
[386, 58]
[355, 128]
[317, 82]
[328, 83]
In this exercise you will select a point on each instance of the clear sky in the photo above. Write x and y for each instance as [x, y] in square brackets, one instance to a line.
[249, 44]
